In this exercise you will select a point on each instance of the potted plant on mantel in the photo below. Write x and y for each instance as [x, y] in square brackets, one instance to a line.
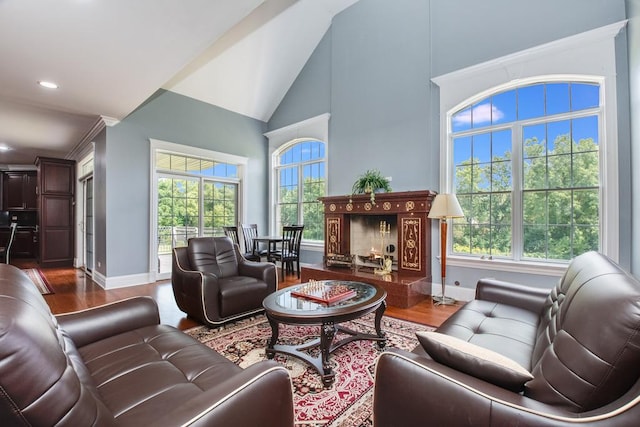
[371, 182]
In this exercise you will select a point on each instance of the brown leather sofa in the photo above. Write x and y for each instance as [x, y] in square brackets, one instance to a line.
[213, 283]
[576, 351]
[116, 366]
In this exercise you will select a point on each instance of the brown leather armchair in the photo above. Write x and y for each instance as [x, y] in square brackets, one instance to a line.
[213, 283]
[576, 349]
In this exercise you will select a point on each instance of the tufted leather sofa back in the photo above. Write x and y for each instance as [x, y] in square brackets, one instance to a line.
[214, 255]
[587, 352]
[43, 380]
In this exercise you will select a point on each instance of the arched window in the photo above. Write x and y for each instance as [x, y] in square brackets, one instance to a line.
[526, 170]
[300, 175]
[529, 143]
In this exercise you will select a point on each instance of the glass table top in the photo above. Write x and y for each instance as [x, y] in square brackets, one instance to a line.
[285, 301]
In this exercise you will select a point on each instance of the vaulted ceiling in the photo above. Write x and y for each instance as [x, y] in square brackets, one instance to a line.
[109, 56]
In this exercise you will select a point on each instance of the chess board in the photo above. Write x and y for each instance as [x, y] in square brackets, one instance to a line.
[325, 292]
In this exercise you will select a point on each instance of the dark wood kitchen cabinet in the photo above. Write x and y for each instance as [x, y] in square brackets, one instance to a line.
[19, 191]
[56, 183]
[24, 245]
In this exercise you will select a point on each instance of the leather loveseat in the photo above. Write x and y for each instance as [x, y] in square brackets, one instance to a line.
[523, 356]
[115, 365]
[213, 283]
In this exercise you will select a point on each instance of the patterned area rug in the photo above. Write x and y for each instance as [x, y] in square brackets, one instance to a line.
[349, 401]
[38, 279]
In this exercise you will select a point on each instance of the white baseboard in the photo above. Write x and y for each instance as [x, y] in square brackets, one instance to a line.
[122, 281]
[456, 292]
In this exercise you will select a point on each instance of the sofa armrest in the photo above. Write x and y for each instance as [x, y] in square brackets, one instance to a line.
[259, 395]
[94, 324]
[411, 390]
[525, 297]
[264, 271]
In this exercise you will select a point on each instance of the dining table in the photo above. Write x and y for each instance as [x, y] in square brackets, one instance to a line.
[271, 241]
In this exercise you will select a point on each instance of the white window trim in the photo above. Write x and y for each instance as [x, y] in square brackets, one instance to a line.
[313, 128]
[571, 56]
[186, 150]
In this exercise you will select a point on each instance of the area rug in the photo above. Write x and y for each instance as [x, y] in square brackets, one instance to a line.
[38, 278]
[349, 401]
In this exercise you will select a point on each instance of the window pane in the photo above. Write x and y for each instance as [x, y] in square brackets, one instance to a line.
[534, 207]
[501, 240]
[501, 145]
[481, 114]
[535, 241]
[559, 206]
[504, 107]
[530, 102]
[559, 171]
[559, 242]
[557, 98]
[584, 95]
[481, 239]
[480, 209]
[534, 173]
[482, 148]
[461, 238]
[558, 134]
[163, 160]
[585, 207]
[585, 133]
[501, 176]
[482, 177]
[501, 209]
[534, 140]
[461, 120]
[178, 163]
[462, 150]
[585, 169]
[462, 179]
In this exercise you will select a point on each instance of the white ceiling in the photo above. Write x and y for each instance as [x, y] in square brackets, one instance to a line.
[109, 56]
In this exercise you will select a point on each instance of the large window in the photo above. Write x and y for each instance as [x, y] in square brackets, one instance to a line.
[300, 174]
[529, 143]
[526, 171]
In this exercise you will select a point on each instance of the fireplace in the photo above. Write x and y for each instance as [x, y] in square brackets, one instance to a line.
[353, 226]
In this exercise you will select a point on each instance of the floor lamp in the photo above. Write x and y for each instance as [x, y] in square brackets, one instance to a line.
[444, 206]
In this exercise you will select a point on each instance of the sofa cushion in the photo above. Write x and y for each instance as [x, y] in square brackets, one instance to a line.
[588, 347]
[475, 360]
[241, 294]
[213, 255]
[143, 372]
[510, 331]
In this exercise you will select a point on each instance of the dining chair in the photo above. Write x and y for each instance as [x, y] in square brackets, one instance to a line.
[250, 232]
[290, 249]
[5, 250]
[231, 231]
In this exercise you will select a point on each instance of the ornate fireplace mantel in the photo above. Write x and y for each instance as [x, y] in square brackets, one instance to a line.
[414, 228]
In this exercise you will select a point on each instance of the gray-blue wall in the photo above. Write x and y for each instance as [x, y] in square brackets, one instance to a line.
[384, 109]
[125, 182]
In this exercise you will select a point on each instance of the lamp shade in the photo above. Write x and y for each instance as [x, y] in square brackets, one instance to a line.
[445, 206]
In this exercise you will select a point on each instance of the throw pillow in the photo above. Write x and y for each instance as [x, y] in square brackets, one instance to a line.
[475, 360]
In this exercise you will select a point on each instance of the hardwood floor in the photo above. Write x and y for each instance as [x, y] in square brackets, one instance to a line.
[73, 290]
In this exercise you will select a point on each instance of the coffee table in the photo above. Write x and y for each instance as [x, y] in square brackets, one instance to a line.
[283, 307]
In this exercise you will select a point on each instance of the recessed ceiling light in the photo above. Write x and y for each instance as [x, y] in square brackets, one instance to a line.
[48, 85]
